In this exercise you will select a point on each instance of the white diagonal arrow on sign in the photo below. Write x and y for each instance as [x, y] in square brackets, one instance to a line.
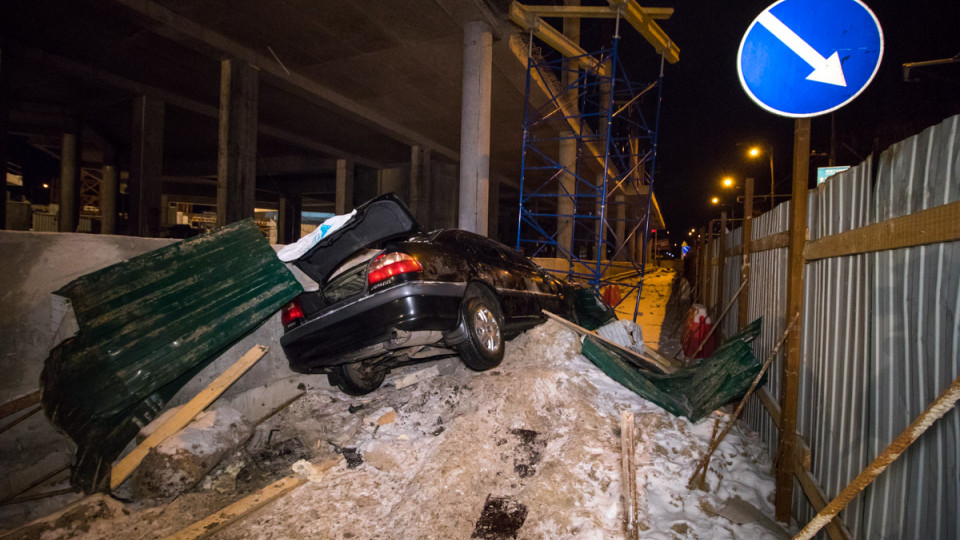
[825, 70]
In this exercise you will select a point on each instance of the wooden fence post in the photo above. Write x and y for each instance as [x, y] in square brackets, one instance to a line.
[744, 302]
[786, 444]
[721, 263]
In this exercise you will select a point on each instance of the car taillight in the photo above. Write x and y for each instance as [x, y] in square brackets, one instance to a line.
[391, 264]
[292, 314]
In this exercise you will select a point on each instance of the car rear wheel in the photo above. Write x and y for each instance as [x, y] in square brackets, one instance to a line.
[357, 379]
[482, 323]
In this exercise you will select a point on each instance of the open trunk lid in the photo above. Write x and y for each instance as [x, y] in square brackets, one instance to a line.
[383, 218]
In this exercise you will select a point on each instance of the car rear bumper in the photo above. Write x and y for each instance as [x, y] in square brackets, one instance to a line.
[415, 306]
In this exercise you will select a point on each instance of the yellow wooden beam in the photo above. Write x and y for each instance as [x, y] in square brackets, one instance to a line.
[932, 226]
[185, 415]
[522, 16]
[593, 12]
[650, 30]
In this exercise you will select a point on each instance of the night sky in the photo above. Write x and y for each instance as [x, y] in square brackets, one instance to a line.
[705, 112]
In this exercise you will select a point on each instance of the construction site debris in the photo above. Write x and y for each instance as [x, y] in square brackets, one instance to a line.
[181, 460]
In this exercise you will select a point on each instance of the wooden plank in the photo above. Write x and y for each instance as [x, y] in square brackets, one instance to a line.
[790, 391]
[837, 529]
[594, 12]
[185, 415]
[658, 361]
[211, 524]
[931, 226]
[18, 404]
[774, 241]
[941, 406]
[240, 509]
[628, 469]
[743, 306]
[650, 30]
[553, 37]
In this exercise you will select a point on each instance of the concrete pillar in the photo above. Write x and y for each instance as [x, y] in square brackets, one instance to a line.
[475, 127]
[69, 181]
[344, 203]
[109, 185]
[4, 129]
[237, 155]
[419, 183]
[568, 148]
[146, 166]
[288, 228]
[493, 210]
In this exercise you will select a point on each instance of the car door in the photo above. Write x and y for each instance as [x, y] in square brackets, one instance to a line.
[500, 274]
[542, 290]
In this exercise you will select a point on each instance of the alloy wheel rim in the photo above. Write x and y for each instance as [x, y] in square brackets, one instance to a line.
[486, 328]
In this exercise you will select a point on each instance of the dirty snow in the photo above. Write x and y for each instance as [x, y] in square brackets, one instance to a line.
[530, 449]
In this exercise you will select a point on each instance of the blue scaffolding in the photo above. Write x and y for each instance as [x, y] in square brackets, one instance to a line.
[592, 212]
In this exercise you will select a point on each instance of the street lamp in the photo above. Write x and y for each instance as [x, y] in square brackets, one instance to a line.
[715, 200]
[755, 151]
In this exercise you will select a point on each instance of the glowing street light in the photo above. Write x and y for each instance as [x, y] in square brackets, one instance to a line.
[715, 200]
[755, 151]
[727, 182]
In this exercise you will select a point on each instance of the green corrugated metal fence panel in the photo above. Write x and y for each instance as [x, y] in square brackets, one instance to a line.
[148, 325]
[693, 391]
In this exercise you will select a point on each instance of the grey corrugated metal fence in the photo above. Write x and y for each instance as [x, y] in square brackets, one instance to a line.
[881, 339]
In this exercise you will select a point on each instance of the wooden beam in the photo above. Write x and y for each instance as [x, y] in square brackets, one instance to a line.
[837, 529]
[774, 241]
[931, 226]
[18, 404]
[240, 509]
[190, 34]
[592, 12]
[649, 29]
[743, 306]
[790, 389]
[555, 38]
[628, 472]
[185, 415]
[236, 511]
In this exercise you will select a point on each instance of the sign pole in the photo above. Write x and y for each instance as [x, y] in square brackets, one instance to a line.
[786, 444]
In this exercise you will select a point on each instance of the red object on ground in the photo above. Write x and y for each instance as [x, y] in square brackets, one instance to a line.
[611, 296]
[696, 327]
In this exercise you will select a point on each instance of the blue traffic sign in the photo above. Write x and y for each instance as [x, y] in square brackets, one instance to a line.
[803, 58]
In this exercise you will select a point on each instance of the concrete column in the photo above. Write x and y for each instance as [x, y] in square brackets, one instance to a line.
[621, 225]
[69, 181]
[288, 228]
[146, 166]
[4, 129]
[475, 127]
[109, 185]
[237, 155]
[493, 210]
[344, 203]
[568, 149]
[419, 182]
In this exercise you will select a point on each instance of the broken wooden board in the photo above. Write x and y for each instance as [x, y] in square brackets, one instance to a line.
[642, 360]
[213, 523]
[185, 415]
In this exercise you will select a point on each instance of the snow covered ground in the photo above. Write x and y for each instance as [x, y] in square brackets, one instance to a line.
[530, 450]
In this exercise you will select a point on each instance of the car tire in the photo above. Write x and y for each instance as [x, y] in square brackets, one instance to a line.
[482, 322]
[357, 379]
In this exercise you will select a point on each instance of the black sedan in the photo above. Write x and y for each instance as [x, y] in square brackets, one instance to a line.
[391, 294]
